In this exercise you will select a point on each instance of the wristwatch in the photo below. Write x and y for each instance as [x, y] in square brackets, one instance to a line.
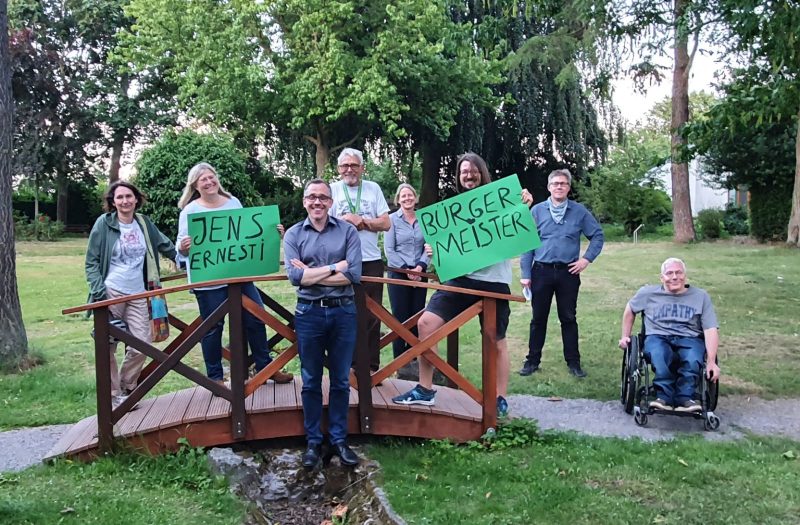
[332, 268]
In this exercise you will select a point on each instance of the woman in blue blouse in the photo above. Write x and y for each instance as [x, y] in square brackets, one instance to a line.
[405, 248]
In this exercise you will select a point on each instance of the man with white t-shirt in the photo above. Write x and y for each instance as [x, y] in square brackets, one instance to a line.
[362, 204]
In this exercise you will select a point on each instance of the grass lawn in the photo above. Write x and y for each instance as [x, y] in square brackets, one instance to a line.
[126, 489]
[555, 478]
[565, 478]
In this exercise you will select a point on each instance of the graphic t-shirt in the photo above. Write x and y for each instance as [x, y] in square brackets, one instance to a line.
[372, 205]
[686, 314]
[125, 271]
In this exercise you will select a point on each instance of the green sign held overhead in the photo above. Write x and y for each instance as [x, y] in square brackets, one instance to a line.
[234, 243]
[478, 228]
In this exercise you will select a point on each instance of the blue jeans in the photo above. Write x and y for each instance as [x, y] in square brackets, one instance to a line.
[322, 330]
[682, 354]
[406, 301]
[256, 332]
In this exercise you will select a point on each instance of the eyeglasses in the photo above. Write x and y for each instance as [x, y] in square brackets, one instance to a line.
[321, 198]
[345, 167]
[559, 184]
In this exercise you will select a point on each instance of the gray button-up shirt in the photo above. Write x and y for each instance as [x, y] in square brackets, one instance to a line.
[337, 241]
[561, 243]
[404, 243]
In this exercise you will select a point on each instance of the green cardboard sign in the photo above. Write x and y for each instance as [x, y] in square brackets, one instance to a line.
[478, 228]
[234, 243]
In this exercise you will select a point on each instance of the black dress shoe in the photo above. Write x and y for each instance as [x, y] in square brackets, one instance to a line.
[528, 368]
[577, 371]
[347, 457]
[311, 456]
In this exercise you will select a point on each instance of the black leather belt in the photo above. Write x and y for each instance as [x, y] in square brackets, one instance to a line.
[327, 302]
[557, 266]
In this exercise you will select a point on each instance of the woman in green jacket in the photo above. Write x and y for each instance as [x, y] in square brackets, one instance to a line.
[121, 258]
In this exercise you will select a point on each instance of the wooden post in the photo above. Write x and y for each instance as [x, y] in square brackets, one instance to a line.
[238, 360]
[362, 361]
[489, 363]
[452, 355]
[102, 360]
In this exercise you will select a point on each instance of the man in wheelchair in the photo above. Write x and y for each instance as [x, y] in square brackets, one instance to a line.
[680, 326]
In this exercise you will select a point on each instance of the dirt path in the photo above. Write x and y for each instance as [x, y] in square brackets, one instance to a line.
[740, 415]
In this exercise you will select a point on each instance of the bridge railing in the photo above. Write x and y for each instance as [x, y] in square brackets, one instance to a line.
[281, 320]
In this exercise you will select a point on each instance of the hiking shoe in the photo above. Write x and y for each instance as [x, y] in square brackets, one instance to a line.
[528, 368]
[577, 371]
[660, 404]
[690, 405]
[502, 407]
[282, 377]
[419, 395]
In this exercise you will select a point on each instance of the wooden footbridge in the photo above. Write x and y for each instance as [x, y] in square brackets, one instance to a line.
[252, 408]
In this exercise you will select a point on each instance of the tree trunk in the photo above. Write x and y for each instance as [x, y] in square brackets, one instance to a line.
[62, 197]
[116, 155]
[13, 341]
[431, 164]
[321, 156]
[681, 199]
[793, 235]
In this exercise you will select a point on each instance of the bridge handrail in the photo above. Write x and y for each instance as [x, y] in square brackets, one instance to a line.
[274, 278]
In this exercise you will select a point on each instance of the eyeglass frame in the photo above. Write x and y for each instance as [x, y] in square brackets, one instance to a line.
[313, 197]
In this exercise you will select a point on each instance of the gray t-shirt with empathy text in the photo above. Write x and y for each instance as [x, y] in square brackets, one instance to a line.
[686, 314]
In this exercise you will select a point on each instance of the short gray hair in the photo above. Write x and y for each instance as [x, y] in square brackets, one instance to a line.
[350, 152]
[563, 172]
[672, 260]
[405, 186]
[317, 181]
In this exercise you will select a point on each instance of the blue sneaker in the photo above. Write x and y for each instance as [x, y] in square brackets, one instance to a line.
[502, 407]
[419, 395]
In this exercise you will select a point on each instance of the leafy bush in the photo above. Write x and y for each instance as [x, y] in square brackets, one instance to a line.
[42, 229]
[709, 223]
[736, 220]
[769, 213]
[627, 189]
[162, 171]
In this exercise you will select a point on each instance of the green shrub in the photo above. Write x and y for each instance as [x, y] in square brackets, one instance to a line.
[769, 213]
[42, 229]
[736, 220]
[709, 223]
[162, 171]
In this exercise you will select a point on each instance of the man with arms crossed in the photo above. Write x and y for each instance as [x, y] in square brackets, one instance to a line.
[323, 259]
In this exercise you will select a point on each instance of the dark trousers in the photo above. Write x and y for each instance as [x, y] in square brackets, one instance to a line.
[546, 281]
[374, 290]
[326, 336]
[211, 344]
[406, 301]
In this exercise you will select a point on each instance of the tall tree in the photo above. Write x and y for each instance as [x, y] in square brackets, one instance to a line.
[53, 126]
[13, 340]
[653, 26]
[125, 106]
[768, 36]
[333, 72]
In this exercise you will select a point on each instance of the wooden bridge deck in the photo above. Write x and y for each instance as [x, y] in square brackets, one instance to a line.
[274, 411]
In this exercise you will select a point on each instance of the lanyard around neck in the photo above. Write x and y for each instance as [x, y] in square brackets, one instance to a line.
[353, 208]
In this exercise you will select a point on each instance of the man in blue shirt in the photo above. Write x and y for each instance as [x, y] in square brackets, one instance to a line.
[323, 259]
[555, 267]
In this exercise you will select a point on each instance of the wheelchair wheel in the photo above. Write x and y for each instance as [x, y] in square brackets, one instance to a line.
[630, 366]
[640, 417]
[712, 394]
[711, 422]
